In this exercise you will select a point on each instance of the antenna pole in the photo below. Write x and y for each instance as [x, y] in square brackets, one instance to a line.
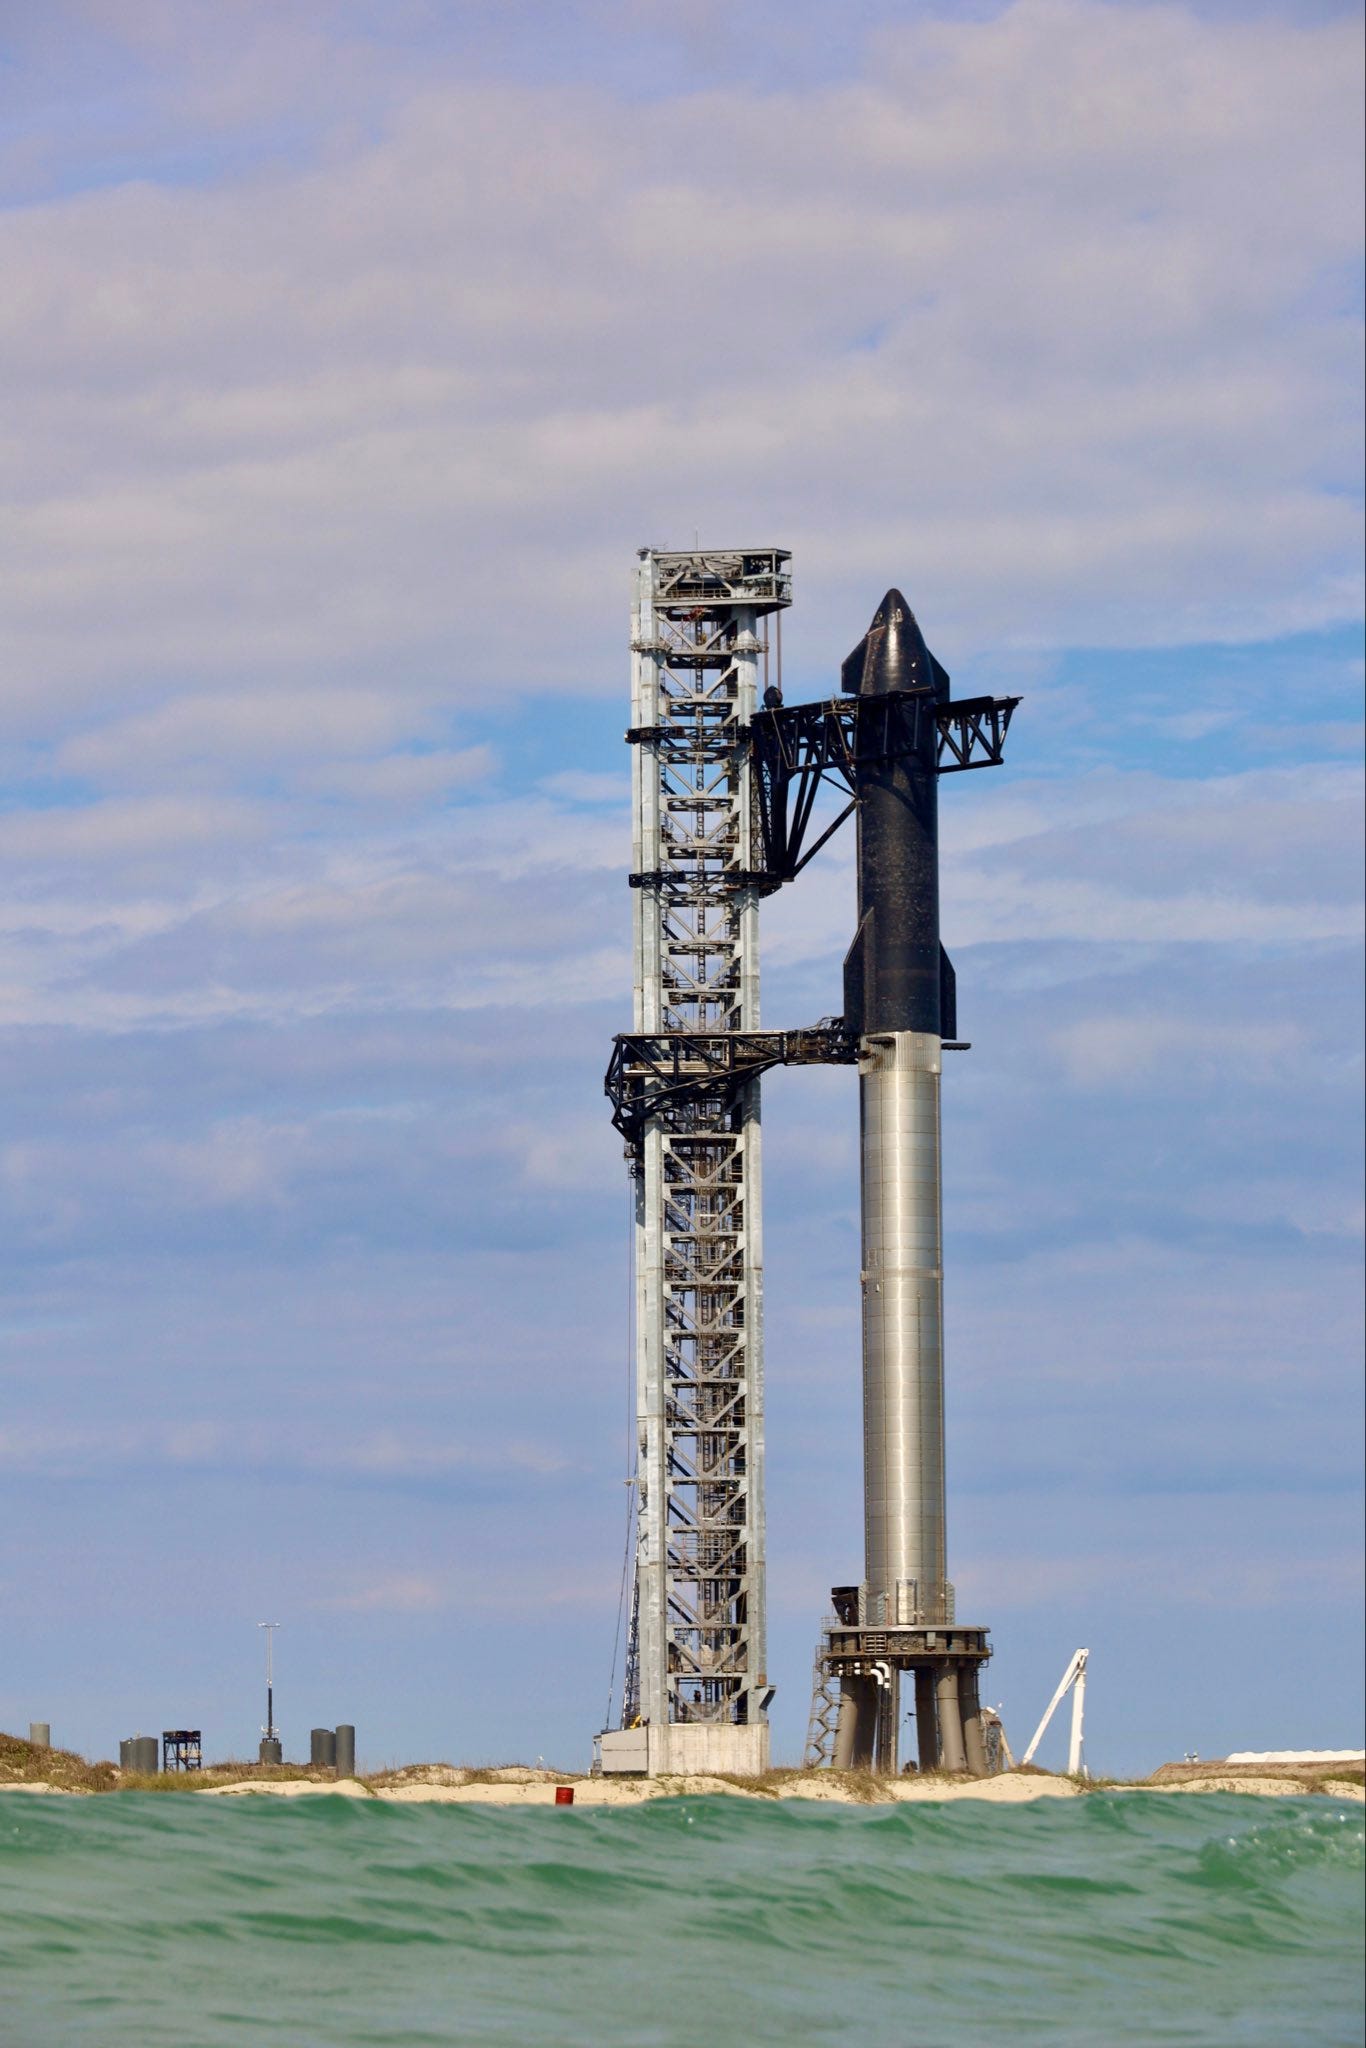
[270, 1628]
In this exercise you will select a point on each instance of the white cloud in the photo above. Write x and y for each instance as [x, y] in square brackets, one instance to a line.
[171, 910]
[1041, 308]
[253, 1446]
[224, 730]
[1203, 1578]
[582, 788]
[397, 1593]
[123, 830]
[402, 778]
[1100, 1052]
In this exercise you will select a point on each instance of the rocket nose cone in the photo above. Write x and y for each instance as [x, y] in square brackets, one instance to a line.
[892, 655]
[897, 657]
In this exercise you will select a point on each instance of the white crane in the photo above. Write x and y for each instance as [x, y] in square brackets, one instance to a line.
[1074, 1678]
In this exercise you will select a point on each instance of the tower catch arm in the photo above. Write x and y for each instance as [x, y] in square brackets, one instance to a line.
[656, 1073]
[798, 747]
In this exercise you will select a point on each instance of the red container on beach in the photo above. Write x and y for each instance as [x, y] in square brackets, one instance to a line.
[564, 1795]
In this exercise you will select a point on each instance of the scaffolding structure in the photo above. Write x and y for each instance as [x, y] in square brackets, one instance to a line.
[822, 1725]
[181, 1749]
[696, 1668]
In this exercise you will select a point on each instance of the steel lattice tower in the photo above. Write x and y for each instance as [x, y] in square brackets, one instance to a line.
[697, 1657]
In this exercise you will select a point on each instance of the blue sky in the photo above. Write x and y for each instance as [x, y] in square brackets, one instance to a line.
[349, 352]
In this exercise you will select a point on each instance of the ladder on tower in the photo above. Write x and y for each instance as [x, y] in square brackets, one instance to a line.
[819, 1753]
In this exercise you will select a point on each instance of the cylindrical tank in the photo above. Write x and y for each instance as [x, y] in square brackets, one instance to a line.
[40, 1734]
[126, 1754]
[346, 1750]
[903, 1374]
[141, 1753]
[322, 1748]
[270, 1751]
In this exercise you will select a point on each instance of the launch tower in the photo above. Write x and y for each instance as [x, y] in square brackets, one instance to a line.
[696, 1680]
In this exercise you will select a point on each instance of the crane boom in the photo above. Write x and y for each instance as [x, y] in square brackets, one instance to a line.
[1073, 1680]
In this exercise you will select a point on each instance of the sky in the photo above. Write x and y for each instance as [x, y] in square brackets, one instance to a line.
[348, 353]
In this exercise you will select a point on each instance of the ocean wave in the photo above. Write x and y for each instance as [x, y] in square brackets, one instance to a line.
[1121, 1917]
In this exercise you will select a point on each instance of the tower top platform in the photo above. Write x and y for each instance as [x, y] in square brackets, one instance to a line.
[713, 578]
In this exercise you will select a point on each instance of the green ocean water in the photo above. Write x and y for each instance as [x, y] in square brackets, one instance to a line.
[1121, 1917]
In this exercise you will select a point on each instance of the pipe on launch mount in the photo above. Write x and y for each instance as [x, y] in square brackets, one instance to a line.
[926, 1720]
[856, 1730]
[952, 1755]
[970, 1710]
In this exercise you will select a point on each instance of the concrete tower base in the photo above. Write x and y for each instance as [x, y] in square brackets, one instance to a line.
[684, 1749]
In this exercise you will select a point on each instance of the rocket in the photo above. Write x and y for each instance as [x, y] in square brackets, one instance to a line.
[899, 1007]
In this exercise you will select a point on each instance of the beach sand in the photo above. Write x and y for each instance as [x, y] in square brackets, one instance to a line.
[538, 1789]
[447, 1786]
[24, 1768]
